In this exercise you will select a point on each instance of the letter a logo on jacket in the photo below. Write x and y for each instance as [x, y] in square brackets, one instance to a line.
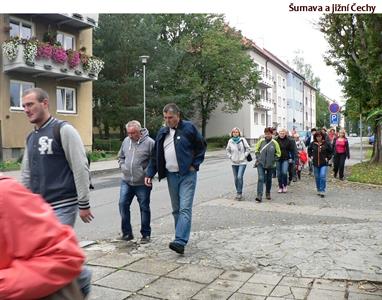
[45, 145]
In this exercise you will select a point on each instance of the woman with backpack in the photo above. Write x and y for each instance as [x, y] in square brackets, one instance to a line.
[238, 151]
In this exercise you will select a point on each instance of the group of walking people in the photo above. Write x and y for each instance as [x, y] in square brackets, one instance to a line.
[283, 155]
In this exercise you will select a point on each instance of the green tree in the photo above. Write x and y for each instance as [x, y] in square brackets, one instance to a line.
[355, 42]
[118, 93]
[195, 61]
[215, 67]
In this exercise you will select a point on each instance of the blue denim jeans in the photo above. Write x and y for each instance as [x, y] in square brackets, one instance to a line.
[264, 176]
[67, 215]
[238, 174]
[282, 172]
[320, 176]
[182, 191]
[126, 196]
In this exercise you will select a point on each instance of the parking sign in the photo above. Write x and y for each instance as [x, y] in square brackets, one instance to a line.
[334, 119]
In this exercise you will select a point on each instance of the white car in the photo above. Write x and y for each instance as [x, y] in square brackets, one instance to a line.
[353, 134]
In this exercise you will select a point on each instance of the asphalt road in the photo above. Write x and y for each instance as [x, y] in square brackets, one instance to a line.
[215, 180]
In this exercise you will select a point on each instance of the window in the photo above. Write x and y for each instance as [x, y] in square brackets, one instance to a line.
[262, 94]
[262, 119]
[20, 28]
[66, 100]
[67, 41]
[256, 118]
[283, 83]
[16, 91]
[269, 95]
[269, 75]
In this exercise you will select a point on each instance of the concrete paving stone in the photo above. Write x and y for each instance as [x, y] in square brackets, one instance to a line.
[102, 293]
[318, 294]
[275, 298]
[240, 296]
[168, 288]
[334, 285]
[209, 294]
[337, 274]
[196, 273]
[260, 289]
[364, 287]
[115, 260]
[289, 292]
[296, 281]
[126, 280]
[152, 266]
[235, 275]
[99, 272]
[364, 275]
[226, 285]
[135, 296]
[267, 279]
[91, 255]
[356, 296]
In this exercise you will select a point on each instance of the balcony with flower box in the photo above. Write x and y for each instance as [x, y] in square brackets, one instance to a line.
[45, 60]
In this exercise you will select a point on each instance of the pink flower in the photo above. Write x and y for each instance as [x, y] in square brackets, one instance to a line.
[44, 51]
[73, 58]
[59, 55]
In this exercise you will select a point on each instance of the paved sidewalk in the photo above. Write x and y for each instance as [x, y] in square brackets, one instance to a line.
[331, 250]
[127, 271]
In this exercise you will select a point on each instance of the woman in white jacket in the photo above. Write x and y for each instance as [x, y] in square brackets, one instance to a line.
[237, 151]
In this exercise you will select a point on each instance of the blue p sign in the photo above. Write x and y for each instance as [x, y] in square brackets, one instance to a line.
[334, 119]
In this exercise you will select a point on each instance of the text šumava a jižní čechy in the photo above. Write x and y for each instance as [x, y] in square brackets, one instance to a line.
[334, 8]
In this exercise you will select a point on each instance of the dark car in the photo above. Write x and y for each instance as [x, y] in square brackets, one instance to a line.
[371, 139]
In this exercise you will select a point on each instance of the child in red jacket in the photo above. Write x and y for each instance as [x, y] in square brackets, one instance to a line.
[39, 255]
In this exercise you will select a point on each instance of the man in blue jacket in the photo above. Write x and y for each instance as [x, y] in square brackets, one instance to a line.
[178, 152]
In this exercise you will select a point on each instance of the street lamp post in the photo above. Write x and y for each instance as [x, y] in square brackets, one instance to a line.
[144, 59]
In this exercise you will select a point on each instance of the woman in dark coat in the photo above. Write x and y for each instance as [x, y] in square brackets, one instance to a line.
[320, 152]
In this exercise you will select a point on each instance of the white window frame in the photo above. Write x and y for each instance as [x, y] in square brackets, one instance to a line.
[256, 118]
[64, 34]
[21, 22]
[65, 111]
[263, 119]
[20, 93]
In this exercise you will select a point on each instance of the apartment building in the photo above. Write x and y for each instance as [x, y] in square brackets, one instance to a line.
[269, 111]
[309, 120]
[53, 52]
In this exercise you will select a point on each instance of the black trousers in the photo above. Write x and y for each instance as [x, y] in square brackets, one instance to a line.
[339, 164]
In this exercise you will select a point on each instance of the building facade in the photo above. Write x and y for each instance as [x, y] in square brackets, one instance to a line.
[309, 120]
[53, 52]
[281, 102]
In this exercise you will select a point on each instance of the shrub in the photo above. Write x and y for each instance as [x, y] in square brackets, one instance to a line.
[107, 145]
[219, 141]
